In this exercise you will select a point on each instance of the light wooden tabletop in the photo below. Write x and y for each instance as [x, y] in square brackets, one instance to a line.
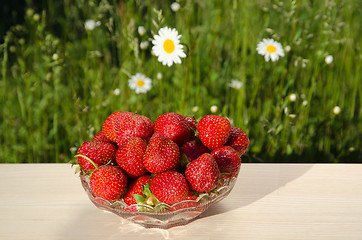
[269, 201]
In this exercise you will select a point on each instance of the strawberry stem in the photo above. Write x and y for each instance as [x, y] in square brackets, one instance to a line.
[88, 159]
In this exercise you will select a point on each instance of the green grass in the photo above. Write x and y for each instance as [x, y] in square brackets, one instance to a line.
[57, 80]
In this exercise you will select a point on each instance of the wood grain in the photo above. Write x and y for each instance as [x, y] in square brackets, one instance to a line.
[269, 201]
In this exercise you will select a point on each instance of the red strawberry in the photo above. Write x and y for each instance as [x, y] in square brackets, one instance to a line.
[192, 122]
[129, 157]
[203, 173]
[213, 130]
[175, 127]
[238, 140]
[128, 124]
[100, 137]
[135, 187]
[108, 129]
[161, 154]
[228, 161]
[169, 187]
[193, 149]
[99, 152]
[108, 182]
[119, 126]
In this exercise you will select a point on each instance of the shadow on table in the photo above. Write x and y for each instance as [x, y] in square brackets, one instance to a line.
[255, 183]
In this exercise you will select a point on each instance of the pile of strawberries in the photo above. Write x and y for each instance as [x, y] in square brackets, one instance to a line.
[171, 160]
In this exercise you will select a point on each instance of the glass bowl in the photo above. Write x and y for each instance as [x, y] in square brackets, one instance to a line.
[162, 215]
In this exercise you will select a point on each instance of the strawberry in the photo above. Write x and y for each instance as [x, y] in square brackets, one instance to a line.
[213, 130]
[161, 154]
[99, 153]
[193, 149]
[135, 187]
[238, 140]
[169, 187]
[100, 137]
[203, 173]
[128, 124]
[192, 122]
[108, 182]
[107, 128]
[120, 126]
[175, 127]
[228, 161]
[129, 157]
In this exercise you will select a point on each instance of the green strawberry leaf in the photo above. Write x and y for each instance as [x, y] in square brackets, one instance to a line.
[146, 190]
[139, 198]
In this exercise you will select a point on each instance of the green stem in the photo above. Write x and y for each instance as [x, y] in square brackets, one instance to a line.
[88, 159]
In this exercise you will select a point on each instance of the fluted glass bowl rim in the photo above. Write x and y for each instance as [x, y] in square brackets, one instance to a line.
[162, 215]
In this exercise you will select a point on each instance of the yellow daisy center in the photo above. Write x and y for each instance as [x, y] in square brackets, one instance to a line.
[271, 49]
[169, 46]
[140, 83]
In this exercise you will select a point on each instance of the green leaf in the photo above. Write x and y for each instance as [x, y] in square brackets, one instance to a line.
[139, 198]
[146, 190]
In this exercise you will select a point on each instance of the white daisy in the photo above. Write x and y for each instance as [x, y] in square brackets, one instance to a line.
[159, 76]
[141, 30]
[144, 45]
[235, 84]
[213, 108]
[90, 24]
[270, 49]
[117, 91]
[140, 83]
[175, 6]
[329, 59]
[336, 110]
[293, 97]
[167, 46]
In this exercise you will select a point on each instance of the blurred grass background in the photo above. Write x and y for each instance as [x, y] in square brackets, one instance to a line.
[59, 81]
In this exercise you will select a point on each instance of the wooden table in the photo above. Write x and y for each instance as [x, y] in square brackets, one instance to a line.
[269, 201]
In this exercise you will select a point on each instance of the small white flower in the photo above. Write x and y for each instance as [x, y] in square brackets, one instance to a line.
[90, 24]
[213, 108]
[305, 103]
[159, 76]
[175, 6]
[329, 59]
[141, 30]
[144, 45]
[195, 108]
[292, 115]
[336, 110]
[270, 49]
[140, 83]
[235, 84]
[292, 97]
[117, 91]
[55, 56]
[287, 48]
[167, 46]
